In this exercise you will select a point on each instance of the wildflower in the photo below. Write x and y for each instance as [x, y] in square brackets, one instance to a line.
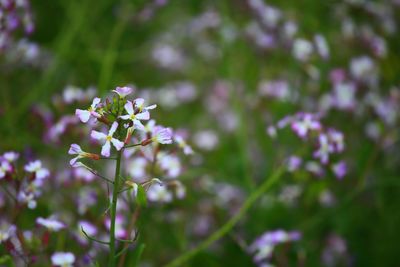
[51, 224]
[4, 168]
[337, 140]
[293, 163]
[28, 198]
[306, 123]
[76, 150]
[187, 150]
[340, 169]
[123, 91]
[133, 186]
[36, 168]
[11, 156]
[170, 164]
[6, 231]
[344, 95]
[159, 193]
[206, 139]
[302, 49]
[137, 168]
[139, 104]
[325, 148]
[105, 151]
[321, 46]
[135, 118]
[315, 168]
[63, 259]
[162, 135]
[264, 245]
[84, 115]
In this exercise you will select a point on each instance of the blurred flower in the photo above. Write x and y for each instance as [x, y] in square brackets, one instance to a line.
[36, 168]
[340, 169]
[206, 139]
[159, 193]
[51, 224]
[6, 231]
[4, 168]
[63, 259]
[76, 150]
[302, 49]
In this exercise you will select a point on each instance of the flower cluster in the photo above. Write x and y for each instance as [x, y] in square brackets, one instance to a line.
[263, 247]
[13, 15]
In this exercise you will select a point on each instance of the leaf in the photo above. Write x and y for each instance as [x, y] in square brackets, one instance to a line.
[7, 259]
[141, 196]
[137, 254]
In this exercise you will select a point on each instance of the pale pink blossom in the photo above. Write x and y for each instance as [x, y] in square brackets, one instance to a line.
[108, 139]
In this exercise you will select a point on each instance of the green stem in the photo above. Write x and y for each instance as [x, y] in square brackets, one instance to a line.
[111, 261]
[228, 226]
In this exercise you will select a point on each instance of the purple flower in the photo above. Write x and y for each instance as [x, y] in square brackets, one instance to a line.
[139, 104]
[293, 163]
[325, 148]
[76, 150]
[340, 169]
[305, 124]
[50, 224]
[123, 91]
[84, 115]
[162, 135]
[108, 138]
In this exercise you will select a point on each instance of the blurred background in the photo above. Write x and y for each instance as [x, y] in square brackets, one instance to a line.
[227, 74]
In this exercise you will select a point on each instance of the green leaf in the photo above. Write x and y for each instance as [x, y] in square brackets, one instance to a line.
[7, 259]
[141, 197]
[137, 254]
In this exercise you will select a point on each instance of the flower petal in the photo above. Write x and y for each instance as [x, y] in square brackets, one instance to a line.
[98, 135]
[83, 115]
[114, 127]
[129, 107]
[143, 116]
[105, 150]
[118, 144]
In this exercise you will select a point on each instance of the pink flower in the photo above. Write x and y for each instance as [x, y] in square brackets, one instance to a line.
[123, 91]
[84, 115]
[135, 118]
[306, 123]
[162, 135]
[108, 138]
[182, 144]
[64, 259]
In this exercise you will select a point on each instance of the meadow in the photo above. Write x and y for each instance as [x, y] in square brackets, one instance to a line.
[200, 133]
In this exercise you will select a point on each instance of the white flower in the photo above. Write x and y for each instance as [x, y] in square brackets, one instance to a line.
[11, 156]
[77, 150]
[135, 118]
[50, 224]
[139, 104]
[302, 49]
[105, 150]
[159, 193]
[84, 115]
[64, 259]
[162, 135]
[6, 231]
[4, 168]
[36, 168]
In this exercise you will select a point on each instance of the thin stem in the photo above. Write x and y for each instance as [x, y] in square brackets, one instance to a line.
[128, 146]
[94, 239]
[228, 226]
[111, 262]
[9, 193]
[100, 176]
